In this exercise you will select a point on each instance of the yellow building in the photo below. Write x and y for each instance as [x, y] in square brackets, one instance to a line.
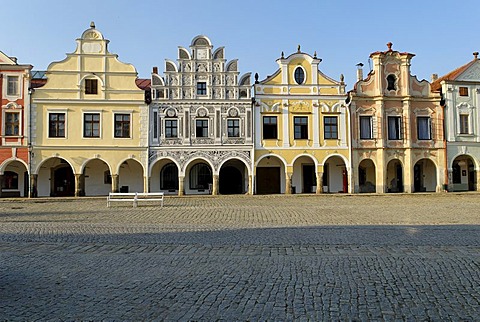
[301, 130]
[89, 125]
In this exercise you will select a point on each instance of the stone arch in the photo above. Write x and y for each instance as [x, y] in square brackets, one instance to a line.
[96, 177]
[425, 177]
[335, 173]
[464, 173]
[130, 175]
[201, 40]
[304, 176]
[234, 174]
[15, 177]
[198, 176]
[394, 176]
[56, 178]
[162, 181]
[367, 176]
[270, 174]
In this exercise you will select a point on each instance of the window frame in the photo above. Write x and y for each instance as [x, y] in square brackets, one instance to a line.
[464, 128]
[90, 89]
[49, 120]
[202, 127]
[332, 135]
[17, 86]
[170, 127]
[270, 127]
[391, 86]
[122, 122]
[302, 134]
[398, 128]
[428, 120]
[370, 127]
[7, 125]
[92, 122]
[231, 128]
[299, 68]
[463, 91]
[202, 90]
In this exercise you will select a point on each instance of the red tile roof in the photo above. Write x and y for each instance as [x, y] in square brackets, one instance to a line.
[143, 83]
[436, 85]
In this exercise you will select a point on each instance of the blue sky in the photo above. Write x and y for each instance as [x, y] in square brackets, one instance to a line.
[442, 34]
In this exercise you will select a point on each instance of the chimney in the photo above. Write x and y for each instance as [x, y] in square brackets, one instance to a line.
[359, 72]
[434, 77]
[155, 70]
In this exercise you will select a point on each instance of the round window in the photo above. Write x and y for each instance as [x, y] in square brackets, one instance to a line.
[299, 75]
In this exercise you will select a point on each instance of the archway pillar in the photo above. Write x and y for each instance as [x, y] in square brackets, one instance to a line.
[114, 182]
[181, 180]
[215, 185]
[450, 179]
[288, 183]
[79, 185]
[408, 172]
[33, 186]
[145, 184]
[250, 185]
[477, 180]
[319, 189]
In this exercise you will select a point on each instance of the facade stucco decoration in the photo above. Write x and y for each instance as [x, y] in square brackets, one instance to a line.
[89, 124]
[397, 129]
[201, 124]
[301, 130]
[460, 90]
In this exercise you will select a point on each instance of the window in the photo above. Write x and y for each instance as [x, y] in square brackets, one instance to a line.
[299, 75]
[10, 180]
[394, 127]
[200, 176]
[201, 88]
[91, 86]
[155, 125]
[233, 128]
[12, 86]
[171, 128]
[169, 177]
[12, 124]
[366, 128]
[463, 91]
[201, 129]
[424, 128]
[91, 125]
[300, 124]
[464, 124]
[269, 127]
[391, 82]
[330, 126]
[122, 125]
[56, 125]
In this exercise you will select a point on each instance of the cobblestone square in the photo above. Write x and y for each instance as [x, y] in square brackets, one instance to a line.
[243, 258]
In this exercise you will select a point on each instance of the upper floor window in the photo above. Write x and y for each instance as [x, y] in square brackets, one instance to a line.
[233, 128]
[91, 86]
[56, 125]
[12, 124]
[201, 130]
[171, 128]
[330, 126]
[424, 130]
[122, 125]
[12, 86]
[394, 127]
[299, 75]
[463, 91]
[269, 127]
[91, 125]
[201, 88]
[366, 128]
[391, 79]
[300, 124]
[464, 128]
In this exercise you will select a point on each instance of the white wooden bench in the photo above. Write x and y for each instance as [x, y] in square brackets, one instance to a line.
[135, 197]
[149, 197]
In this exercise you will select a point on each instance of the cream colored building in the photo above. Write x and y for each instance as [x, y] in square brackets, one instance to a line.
[89, 125]
[301, 129]
[397, 129]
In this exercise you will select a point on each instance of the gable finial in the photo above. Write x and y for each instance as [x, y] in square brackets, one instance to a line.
[315, 54]
[92, 25]
[298, 49]
[283, 55]
[256, 78]
[389, 45]
[475, 54]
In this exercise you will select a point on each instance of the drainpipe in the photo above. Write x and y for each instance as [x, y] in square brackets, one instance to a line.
[444, 106]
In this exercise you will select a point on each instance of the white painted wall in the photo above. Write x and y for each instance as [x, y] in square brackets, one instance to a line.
[94, 179]
[131, 175]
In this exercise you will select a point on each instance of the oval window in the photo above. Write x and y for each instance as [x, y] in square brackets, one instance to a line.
[299, 75]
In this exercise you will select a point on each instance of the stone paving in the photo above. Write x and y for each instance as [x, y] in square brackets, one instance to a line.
[243, 258]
